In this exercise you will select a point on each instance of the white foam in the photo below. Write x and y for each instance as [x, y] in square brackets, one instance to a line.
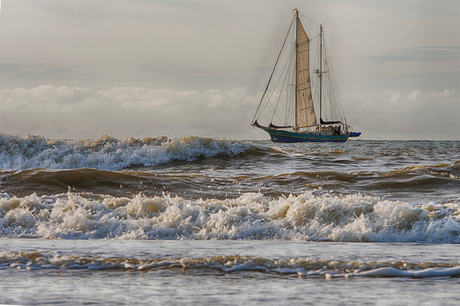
[251, 216]
[393, 272]
[108, 153]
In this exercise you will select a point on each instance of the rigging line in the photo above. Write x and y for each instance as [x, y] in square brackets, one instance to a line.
[276, 106]
[282, 47]
[286, 75]
[283, 91]
[272, 92]
[260, 132]
[334, 87]
[278, 101]
[290, 94]
[284, 72]
[269, 102]
[309, 19]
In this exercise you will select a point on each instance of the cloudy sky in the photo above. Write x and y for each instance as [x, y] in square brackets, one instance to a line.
[84, 68]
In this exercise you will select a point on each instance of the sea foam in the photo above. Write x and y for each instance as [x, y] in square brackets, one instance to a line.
[108, 153]
[356, 218]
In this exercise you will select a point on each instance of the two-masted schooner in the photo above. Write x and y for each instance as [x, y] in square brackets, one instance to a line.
[290, 97]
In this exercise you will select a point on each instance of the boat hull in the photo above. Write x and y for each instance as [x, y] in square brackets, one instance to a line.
[290, 137]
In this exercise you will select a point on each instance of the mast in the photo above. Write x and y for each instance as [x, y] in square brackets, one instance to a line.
[296, 56]
[320, 74]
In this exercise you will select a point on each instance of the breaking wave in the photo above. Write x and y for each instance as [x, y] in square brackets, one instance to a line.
[108, 153]
[355, 218]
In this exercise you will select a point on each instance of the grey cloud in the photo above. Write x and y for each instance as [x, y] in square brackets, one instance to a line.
[417, 54]
[396, 115]
[35, 72]
[125, 111]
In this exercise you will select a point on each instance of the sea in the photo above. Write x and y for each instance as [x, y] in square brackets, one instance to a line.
[209, 221]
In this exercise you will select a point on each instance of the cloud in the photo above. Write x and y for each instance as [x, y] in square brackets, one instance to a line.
[41, 99]
[132, 97]
[76, 112]
[397, 115]
[31, 72]
[183, 45]
[56, 112]
[416, 54]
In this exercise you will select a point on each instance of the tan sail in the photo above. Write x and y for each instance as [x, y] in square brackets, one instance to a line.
[305, 110]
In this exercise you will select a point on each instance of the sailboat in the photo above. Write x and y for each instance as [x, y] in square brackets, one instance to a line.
[292, 94]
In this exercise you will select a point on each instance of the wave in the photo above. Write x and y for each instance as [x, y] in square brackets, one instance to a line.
[229, 181]
[36, 260]
[108, 153]
[355, 218]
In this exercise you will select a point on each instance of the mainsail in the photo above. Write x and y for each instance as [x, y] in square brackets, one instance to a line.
[305, 113]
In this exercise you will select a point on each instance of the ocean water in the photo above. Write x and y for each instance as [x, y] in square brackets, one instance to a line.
[195, 220]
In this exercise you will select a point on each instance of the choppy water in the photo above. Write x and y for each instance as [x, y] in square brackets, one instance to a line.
[205, 220]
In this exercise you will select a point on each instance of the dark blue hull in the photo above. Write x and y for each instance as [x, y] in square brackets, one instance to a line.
[290, 137]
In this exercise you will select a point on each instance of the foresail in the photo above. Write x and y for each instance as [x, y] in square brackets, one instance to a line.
[305, 110]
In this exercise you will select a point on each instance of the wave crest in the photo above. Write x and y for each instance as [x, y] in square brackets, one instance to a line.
[108, 153]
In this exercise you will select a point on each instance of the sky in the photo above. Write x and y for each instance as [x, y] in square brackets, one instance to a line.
[82, 68]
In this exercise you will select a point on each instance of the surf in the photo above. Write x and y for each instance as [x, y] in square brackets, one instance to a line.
[305, 217]
[109, 153]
